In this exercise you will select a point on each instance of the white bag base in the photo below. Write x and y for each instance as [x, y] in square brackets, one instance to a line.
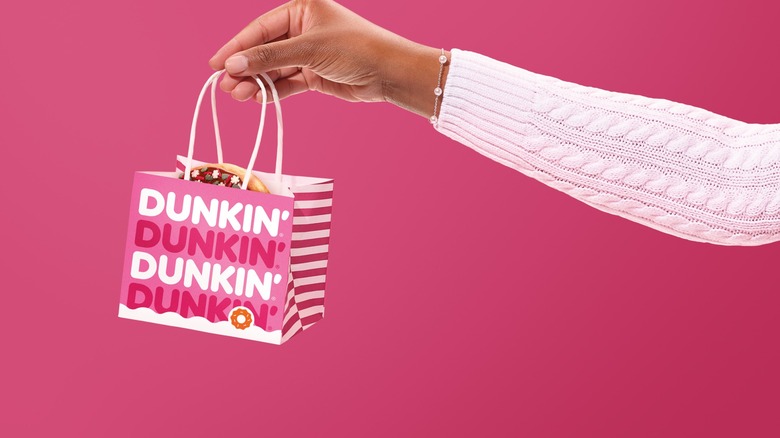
[224, 328]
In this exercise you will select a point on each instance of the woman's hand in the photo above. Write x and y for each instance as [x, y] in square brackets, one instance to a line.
[320, 45]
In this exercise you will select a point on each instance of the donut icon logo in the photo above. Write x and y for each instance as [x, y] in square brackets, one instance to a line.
[241, 317]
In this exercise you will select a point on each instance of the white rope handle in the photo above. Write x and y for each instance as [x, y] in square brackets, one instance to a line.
[280, 131]
[279, 123]
[279, 127]
[216, 120]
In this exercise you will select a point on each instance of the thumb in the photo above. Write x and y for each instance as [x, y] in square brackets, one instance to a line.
[292, 52]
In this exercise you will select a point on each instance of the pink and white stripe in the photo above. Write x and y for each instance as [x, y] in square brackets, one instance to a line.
[308, 257]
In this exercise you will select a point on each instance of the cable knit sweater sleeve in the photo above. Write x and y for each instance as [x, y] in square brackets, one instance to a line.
[674, 167]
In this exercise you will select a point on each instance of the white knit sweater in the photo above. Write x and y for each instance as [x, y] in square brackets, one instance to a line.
[674, 167]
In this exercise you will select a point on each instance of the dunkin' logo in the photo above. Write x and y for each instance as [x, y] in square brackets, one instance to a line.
[209, 258]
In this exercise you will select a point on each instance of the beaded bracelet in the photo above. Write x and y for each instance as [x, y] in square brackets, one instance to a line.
[438, 91]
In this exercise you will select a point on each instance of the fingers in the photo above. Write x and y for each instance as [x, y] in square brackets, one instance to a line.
[289, 86]
[248, 88]
[228, 82]
[267, 27]
[285, 87]
[245, 88]
[292, 52]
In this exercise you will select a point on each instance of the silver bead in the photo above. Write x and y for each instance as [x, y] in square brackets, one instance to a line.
[442, 59]
[433, 120]
[437, 91]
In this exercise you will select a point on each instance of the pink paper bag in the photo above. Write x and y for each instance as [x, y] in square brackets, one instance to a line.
[225, 260]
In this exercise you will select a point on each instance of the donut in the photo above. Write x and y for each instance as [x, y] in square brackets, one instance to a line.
[240, 318]
[224, 174]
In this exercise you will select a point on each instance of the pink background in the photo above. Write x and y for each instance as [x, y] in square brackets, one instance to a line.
[534, 314]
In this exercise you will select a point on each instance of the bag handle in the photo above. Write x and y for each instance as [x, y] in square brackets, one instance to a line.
[212, 81]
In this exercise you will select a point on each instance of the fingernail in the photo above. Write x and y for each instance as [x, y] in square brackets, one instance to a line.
[236, 64]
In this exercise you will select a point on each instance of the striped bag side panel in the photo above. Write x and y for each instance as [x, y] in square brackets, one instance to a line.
[308, 257]
[290, 326]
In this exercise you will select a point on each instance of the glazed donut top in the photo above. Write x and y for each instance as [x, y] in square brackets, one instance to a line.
[224, 174]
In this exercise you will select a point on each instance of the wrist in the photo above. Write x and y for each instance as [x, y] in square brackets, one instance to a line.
[411, 76]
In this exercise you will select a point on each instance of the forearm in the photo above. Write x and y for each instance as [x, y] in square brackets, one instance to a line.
[411, 76]
[677, 168]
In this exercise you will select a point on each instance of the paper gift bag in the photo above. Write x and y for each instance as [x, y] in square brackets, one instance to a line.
[223, 259]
